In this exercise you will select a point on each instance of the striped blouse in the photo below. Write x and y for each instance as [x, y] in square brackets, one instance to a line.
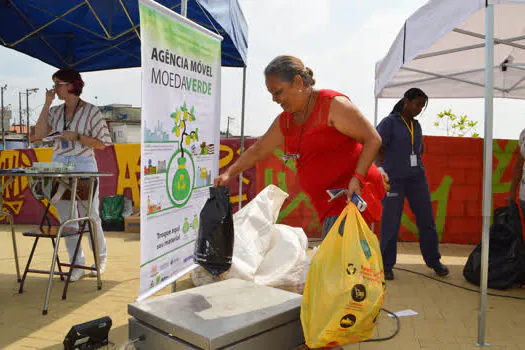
[87, 121]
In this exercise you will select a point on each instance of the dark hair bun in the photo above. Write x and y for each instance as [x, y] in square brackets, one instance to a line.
[310, 74]
[309, 71]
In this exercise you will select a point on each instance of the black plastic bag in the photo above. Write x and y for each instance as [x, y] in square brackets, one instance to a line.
[214, 245]
[506, 255]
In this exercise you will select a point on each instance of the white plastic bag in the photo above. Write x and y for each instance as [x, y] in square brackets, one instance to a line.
[285, 264]
[265, 252]
[253, 232]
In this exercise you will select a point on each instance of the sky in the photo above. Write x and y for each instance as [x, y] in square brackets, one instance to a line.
[339, 40]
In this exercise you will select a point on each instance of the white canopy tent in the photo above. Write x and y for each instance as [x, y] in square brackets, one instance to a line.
[441, 50]
[461, 49]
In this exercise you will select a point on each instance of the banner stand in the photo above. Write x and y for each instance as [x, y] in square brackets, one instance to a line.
[181, 70]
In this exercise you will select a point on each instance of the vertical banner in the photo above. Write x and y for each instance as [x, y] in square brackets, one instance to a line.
[181, 64]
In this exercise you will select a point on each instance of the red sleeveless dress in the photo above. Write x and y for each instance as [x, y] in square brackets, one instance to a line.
[328, 160]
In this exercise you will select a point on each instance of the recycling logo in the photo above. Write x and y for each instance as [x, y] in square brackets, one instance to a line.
[347, 321]
[351, 269]
[359, 293]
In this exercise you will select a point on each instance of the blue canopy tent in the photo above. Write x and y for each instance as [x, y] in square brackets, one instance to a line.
[92, 35]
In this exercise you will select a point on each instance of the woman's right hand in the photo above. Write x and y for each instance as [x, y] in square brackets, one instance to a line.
[222, 179]
[50, 96]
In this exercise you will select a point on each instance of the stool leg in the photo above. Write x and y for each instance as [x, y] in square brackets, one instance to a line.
[74, 259]
[21, 289]
[58, 262]
[15, 249]
[92, 239]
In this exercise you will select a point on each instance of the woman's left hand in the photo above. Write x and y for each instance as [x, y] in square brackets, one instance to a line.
[70, 136]
[354, 187]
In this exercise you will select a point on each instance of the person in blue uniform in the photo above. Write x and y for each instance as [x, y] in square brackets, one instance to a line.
[400, 159]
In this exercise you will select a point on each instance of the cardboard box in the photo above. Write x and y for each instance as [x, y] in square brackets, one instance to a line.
[132, 223]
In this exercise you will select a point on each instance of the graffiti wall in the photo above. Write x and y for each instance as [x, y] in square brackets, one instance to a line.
[17, 197]
[230, 151]
[455, 171]
[454, 168]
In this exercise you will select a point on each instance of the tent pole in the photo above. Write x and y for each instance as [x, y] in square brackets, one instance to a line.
[487, 169]
[375, 111]
[242, 129]
[184, 8]
[373, 226]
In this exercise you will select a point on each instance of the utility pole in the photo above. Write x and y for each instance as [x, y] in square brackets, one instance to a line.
[28, 91]
[20, 109]
[3, 137]
[228, 126]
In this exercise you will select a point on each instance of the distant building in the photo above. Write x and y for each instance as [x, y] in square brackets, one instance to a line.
[5, 117]
[18, 129]
[123, 122]
[121, 112]
[10, 138]
[13, 141]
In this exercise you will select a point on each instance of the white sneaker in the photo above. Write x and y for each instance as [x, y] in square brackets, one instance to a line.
[77, 274]
[102, 266]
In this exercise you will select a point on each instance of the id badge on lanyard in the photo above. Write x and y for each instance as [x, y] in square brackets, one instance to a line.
[413, 160]
[413, 156]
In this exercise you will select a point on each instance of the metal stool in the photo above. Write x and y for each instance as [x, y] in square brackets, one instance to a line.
[46, 233]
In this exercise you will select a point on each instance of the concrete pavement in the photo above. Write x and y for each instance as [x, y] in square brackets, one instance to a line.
[447, 316]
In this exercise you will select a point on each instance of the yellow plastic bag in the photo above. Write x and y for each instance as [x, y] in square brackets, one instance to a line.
[345, 288]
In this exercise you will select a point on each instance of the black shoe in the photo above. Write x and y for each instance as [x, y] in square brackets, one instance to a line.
[389, 275]
[440, 270]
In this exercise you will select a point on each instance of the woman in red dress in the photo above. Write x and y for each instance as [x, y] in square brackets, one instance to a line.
[331, 141]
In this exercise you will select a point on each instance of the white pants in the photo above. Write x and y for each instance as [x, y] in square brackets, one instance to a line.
[63, 208]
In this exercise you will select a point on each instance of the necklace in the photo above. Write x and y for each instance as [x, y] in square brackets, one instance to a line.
[66, 126]
[296, 156]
